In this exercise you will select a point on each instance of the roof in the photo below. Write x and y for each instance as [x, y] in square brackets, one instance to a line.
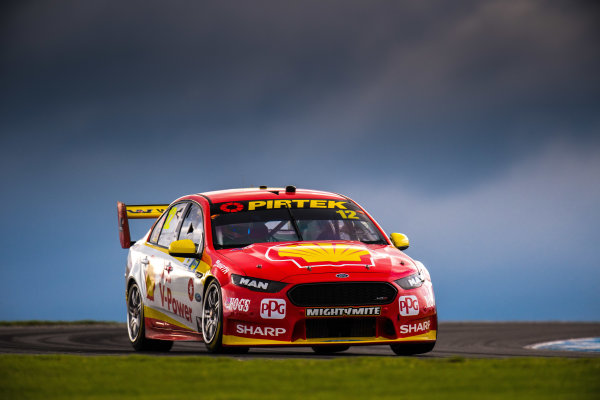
[267, 193]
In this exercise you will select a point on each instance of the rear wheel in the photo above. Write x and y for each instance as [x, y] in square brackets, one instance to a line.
[212, 318]
[135, 324]
[409, 349]
[330, 349]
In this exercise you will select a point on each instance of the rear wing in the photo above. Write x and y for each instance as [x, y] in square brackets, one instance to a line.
[141, 211]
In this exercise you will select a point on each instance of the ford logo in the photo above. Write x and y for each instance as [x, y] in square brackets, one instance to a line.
[342, 275]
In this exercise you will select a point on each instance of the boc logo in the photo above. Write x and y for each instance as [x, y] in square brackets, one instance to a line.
[409, 305]
[272, 308]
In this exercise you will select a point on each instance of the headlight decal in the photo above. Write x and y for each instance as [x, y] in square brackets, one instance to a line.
[411, 282]
[256, 284]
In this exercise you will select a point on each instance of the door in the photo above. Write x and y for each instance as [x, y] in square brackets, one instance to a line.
[166, 292]
[178, 286]
[189, 278]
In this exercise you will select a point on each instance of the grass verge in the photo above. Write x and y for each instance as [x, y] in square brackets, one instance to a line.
[148, 377]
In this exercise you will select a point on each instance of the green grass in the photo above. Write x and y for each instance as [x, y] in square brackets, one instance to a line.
[148, 377]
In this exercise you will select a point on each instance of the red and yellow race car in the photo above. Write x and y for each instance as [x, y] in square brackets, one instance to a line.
[273, 267]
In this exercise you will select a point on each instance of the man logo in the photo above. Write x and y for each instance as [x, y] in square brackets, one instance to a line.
[254, 283]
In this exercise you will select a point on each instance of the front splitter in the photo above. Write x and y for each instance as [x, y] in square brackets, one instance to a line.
[232, 340]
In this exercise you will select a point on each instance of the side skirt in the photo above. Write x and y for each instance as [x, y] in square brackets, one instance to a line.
[160, 326]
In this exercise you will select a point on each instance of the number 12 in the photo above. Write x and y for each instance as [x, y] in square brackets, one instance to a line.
[347, 214]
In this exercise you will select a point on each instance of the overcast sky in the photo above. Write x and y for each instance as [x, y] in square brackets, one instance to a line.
[471, 126]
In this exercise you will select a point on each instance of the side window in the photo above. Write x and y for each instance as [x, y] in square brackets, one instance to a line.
[169, 230]
[157, 228]
[193, 225]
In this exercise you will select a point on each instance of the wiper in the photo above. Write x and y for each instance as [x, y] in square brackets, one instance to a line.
[232, 246]
[294, 224]
[373, 241]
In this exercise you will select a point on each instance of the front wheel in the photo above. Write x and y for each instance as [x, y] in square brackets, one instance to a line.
[409, 349]
[135, 324]
[212, 318]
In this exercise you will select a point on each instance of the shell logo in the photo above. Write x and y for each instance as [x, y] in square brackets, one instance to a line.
[321, 254]
[150, 282]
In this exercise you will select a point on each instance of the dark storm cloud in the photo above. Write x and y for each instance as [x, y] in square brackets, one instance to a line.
[472, 125]
[486, 75]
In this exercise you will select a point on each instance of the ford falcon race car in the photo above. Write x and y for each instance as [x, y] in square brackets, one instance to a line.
[272, 267]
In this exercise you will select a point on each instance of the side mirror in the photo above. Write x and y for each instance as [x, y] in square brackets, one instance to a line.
[183, 248]
[400, 240]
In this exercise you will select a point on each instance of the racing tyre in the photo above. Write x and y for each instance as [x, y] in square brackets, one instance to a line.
[329, 349]
[409, 349]
[212, 318]
[135, 324]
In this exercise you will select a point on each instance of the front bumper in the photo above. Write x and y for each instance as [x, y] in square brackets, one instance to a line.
[271, 319]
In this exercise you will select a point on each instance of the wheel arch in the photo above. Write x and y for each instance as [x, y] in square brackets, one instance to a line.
[207, 282]
[130, 282]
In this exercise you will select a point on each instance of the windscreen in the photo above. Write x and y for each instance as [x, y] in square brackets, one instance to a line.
[239, 224]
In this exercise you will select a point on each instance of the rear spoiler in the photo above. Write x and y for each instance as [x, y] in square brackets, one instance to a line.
[141, 211]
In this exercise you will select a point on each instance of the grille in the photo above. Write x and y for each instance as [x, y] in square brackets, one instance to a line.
[342, 294]
[340, 327]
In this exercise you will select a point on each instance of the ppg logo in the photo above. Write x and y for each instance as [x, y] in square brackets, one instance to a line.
[272, 308]
[409, 305]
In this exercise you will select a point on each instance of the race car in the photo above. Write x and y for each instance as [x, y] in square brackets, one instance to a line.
[270, 267]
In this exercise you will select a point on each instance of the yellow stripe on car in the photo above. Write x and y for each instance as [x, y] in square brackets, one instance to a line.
[232, 340]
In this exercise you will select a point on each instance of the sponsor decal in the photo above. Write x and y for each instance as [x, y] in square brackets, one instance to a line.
[192, 263]
[235, 304]
[342, 275]
[165, 277]
[170, 216]
[309, 255]
[414, 281]
[342, 311]
[191, 289]
[269, 204]
[256, 284]
[150, 282]
[346, 209]
[167, 300]
[416, 328]
[222, 267]
[145, 210]
[429, 297]
[272, 308]
[172, 304]
[231, 207]
[198, 297]
[409, 305]
[259, 331]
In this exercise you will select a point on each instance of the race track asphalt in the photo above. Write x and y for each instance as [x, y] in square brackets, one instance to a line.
[463, 339]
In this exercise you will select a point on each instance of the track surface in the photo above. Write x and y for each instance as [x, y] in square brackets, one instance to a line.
[465, 339]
